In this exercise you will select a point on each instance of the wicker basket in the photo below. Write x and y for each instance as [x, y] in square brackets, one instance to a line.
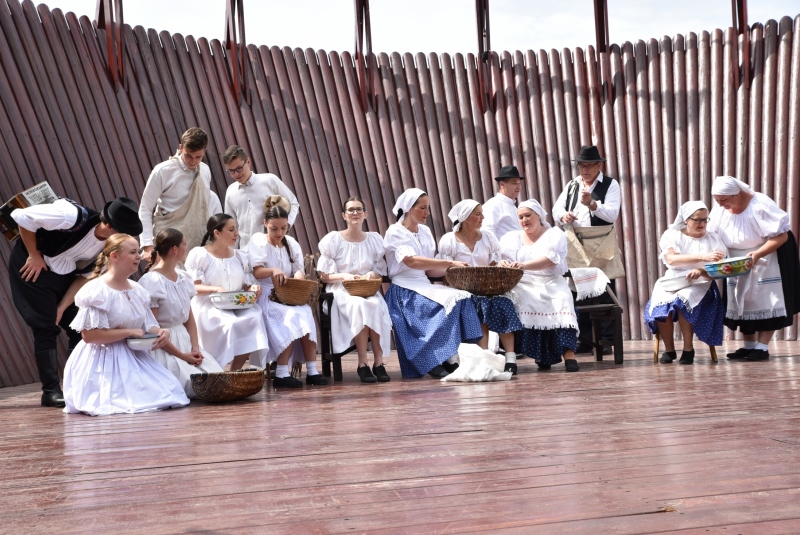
[227, 386]
[486, 281]
[295, 292]
[362, 287]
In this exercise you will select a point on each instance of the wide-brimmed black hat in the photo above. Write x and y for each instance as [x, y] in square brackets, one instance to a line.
[589, 154]
[122, 214]
[508, 172]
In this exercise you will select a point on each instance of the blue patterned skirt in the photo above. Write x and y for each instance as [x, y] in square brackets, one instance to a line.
[497, 313]
[706, 318]
[425, 336]
[545, 346]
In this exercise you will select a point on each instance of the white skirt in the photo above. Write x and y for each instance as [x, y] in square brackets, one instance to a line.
[101, 379]
[181, 369]
[285, 324]
[228, 333]
[351, 314]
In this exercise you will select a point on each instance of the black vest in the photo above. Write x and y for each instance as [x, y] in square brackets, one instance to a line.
[599, 194]
[54, 242]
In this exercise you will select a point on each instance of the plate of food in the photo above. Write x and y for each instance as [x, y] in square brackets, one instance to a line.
[145, 343]
[233, 300]
[729, 267]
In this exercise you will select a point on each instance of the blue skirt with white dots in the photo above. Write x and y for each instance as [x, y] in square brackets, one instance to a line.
[498, 313]
[546, 346]
[424, 334]
[706, 318]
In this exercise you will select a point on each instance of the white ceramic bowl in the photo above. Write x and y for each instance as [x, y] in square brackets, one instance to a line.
[142, 344]
[233, 300]
[673, 284]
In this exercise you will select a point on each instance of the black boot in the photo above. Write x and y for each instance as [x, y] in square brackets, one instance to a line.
[47, 362]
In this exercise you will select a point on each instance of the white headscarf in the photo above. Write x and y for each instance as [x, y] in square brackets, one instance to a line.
[533, 204]
[406, 201]
[727, 185]
[461, 211]
[686, 211]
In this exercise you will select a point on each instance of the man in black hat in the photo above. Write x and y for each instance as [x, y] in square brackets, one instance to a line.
[58, 242]
[591, 199]
[500, 212]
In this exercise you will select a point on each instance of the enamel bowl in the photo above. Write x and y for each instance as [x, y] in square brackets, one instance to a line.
[233, 300]
[730, 267]
[142, 344]
[673, 284]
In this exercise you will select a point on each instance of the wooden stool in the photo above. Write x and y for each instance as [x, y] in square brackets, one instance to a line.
[657, 339]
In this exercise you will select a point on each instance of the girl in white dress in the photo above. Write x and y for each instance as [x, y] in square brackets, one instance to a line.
[542, 298]
[276, 257]
[354, 254]
[230, 336]
[103, 375]
[171, 291]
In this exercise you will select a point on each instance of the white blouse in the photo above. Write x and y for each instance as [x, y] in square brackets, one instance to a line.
[552, 244]
[486, 250]
[401, 243]
[264, 254]
[172, 299]
[761, 220]
[686, 245]
[230, 273]
[338, 255]
[102, 307]
[500, 215]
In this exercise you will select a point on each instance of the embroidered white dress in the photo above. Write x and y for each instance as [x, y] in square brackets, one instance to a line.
[284, 323]
[101, 379]
[174, 302]
[351, 314]
[226, 333]
[486, 250]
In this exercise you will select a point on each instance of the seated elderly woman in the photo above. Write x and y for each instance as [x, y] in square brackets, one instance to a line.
[542, 298]
[699, 309]
[468, 243]
[430, 321]
[768, 297]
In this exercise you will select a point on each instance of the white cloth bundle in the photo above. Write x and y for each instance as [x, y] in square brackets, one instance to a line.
[478, 365]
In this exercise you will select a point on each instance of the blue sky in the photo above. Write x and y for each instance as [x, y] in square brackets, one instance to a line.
[438, 25]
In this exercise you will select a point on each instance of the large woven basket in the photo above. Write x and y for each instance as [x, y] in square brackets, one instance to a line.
[295, 292]
[227, 386]
[362, 287]
[487, 281]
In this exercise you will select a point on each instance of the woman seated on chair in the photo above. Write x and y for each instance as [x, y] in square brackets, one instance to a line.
[699, 308]
[429, 321]
[542, 297]
[291, 329]
[468, 243]
[353, 254]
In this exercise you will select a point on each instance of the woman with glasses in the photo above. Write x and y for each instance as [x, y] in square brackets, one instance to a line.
[348, 255]
[698, 307]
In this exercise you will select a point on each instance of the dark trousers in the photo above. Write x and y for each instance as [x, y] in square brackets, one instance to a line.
[585, 323]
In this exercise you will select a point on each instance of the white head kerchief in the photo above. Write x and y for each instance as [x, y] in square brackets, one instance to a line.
[406, 201]
[533, 204]
[686, 211]
[727, 185]
[461, 211]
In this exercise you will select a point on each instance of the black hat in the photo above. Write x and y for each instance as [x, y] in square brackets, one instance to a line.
[122, 214]
[508, 172]
[589, 154]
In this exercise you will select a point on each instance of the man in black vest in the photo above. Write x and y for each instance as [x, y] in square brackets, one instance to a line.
[590, 200]
[58, 243]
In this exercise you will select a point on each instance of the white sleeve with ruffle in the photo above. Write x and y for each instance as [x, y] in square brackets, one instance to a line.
[327, 254]
[156, 288]
[91, 301]
[197, 263]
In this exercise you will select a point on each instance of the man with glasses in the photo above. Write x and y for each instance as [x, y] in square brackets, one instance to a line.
[244, 199]
[591, 199]
[178, 194]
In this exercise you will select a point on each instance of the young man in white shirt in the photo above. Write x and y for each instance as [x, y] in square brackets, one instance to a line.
[244, 199]
[500, 212]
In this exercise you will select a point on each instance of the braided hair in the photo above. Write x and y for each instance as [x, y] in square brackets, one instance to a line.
[165, 240]
[113, 245]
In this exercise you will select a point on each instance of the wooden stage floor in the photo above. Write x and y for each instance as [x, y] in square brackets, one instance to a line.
[635, 448]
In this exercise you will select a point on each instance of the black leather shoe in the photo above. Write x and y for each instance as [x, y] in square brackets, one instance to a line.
[667, 357]
[584, 348]
[319, 379]
[687, 357]
[739, 354]
[366, 375]
[53, 399]
[438, 372]
[544, 366]
[758, 354]
[571, 365]
[511, 367]
[287, 382]
[380, 374]
[450, 367]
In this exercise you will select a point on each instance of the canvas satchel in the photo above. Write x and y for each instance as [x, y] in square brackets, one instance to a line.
[191, 218]
[595, 247]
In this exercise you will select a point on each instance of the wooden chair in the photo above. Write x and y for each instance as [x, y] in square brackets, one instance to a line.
[657, 339]
[604, 311]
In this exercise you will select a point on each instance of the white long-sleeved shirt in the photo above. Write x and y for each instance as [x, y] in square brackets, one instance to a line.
[500, 215]
[245, 202]
[608, 210]
[167, 189]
